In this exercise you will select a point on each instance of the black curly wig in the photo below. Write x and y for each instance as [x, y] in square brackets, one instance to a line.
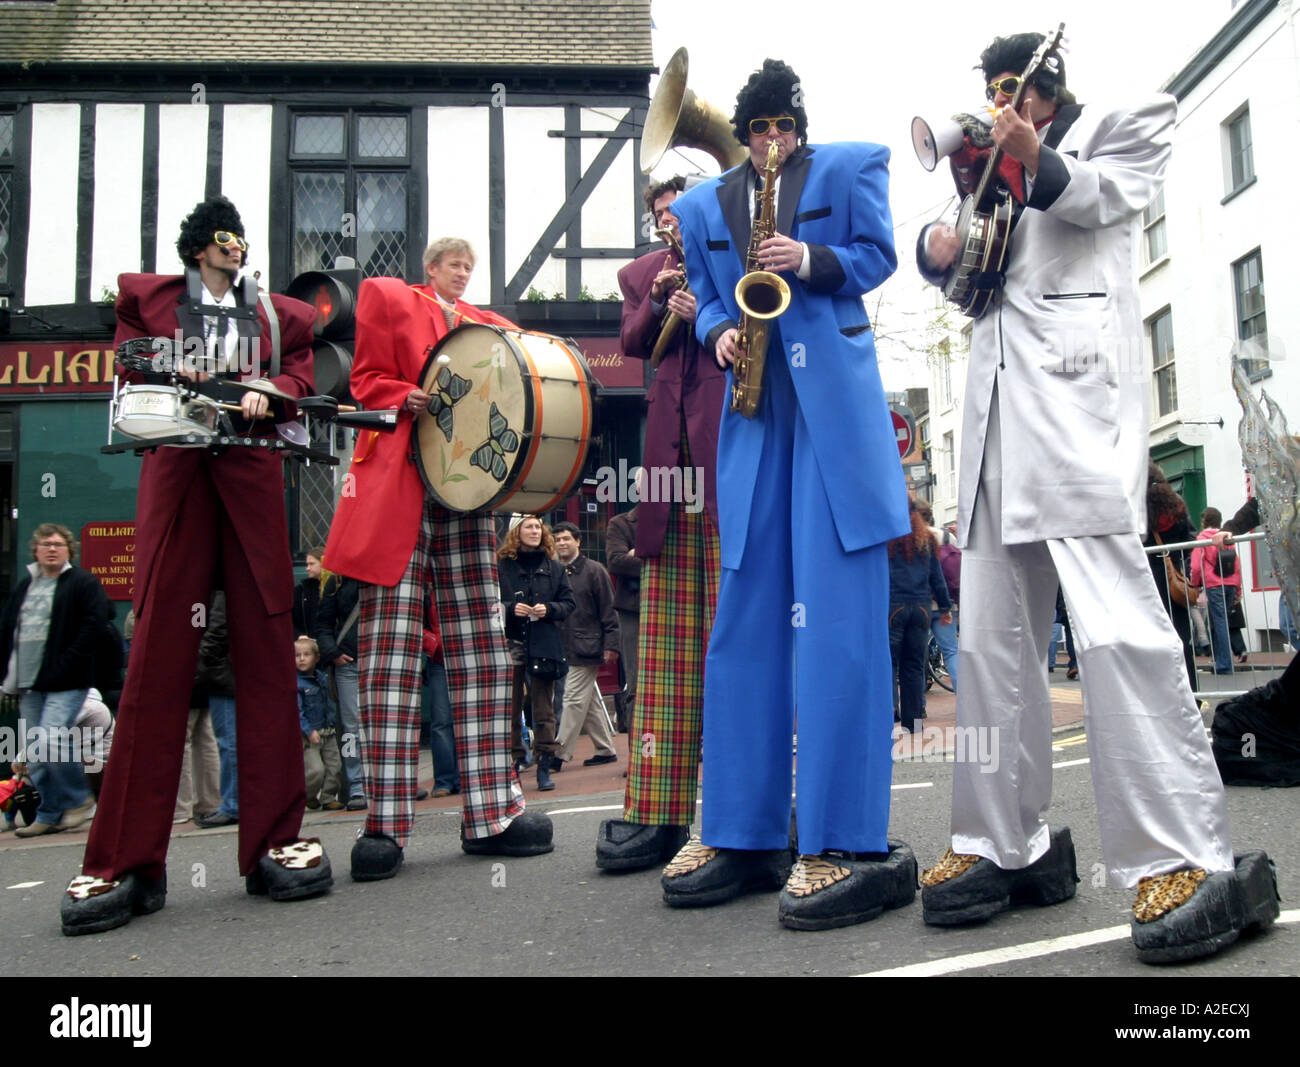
[772, 92]
[215, 213]
[1014, 53]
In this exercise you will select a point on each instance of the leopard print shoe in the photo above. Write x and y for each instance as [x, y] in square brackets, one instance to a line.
[700, 875]
[1164, 892]
[962, 888]
[837, 889]
[1189, 913]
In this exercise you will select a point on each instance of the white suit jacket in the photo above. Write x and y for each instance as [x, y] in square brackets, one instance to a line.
[1064, 342]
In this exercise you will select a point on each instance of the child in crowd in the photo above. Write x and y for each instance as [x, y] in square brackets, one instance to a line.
[318, 719]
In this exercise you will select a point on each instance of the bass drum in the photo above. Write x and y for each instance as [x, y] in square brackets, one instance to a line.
[510, 422]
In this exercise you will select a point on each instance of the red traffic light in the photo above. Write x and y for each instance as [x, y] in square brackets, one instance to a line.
[334, 296]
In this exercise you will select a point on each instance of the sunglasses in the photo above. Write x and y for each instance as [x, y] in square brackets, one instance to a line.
[758, 127]
[226, 239]
[1005, 86]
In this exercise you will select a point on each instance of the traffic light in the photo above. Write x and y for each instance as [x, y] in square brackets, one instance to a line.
[333, 293]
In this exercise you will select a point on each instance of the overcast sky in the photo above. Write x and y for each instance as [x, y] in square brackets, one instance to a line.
[867, 68]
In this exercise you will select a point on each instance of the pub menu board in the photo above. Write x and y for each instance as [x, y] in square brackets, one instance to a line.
[108, 552]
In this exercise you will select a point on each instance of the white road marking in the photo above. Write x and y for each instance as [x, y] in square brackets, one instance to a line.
[1028, 951]
[912, 785]
[25, 885]
[1072, 763]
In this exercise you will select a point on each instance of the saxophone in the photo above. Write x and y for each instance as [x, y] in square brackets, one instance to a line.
[671, 321]
[761, 296]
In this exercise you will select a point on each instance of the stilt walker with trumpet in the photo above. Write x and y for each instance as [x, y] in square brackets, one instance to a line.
[677, 541]
[809, 491]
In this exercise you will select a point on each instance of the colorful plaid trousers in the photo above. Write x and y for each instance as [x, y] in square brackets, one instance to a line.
[455, 555]
[679, 592]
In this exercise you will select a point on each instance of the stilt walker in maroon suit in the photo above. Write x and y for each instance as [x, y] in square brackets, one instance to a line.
[207, 521]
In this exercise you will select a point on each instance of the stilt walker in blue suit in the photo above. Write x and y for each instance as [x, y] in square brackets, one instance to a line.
[809, 490]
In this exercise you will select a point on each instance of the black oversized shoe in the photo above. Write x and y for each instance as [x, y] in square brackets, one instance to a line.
[840, 889]
[93, 905]
[375, 857]
[700, 875]
[963, 889]
[529, 835]
[633, 846]
[294, 872]
[1189, 913]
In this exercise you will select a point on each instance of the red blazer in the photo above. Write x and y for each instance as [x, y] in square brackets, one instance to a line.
[687, 379]
[249, 482]
[377, 522]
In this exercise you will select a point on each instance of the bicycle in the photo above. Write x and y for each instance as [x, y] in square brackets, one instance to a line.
[935, 668]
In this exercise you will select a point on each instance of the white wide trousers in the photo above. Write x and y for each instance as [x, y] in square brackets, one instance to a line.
[1160, 802]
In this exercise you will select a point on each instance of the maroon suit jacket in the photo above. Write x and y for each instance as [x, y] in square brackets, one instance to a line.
[248, 481]
[687, 381]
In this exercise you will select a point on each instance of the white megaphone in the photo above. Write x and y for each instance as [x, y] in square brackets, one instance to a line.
[933, 143]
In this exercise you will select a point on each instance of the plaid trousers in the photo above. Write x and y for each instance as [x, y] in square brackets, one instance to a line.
[455, 555]
[679, 592]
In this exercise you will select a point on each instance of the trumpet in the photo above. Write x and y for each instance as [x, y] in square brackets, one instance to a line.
[761, 295]
[671, 321]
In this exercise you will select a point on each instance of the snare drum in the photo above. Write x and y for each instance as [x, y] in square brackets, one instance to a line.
[148, 412]
[510, 421]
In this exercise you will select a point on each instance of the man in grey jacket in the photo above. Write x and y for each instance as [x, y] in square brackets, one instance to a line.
[48, 636]
[590, 638]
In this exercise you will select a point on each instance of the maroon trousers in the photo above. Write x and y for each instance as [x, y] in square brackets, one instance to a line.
[132, 827]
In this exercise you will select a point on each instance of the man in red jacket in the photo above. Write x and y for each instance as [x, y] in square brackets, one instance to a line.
[203, 520]
[393, 538]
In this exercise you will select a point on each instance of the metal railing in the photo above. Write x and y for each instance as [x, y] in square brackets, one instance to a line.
[1262, 664]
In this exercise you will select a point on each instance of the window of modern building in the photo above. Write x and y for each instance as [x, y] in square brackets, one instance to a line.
[1153, 228]
[351, 185]
[1252, 322]
[1164, 378]
[1240, 169]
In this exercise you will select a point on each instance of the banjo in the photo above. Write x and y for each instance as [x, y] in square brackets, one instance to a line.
[985, 217]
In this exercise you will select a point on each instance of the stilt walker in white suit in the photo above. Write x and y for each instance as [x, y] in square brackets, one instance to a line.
[1053, 487]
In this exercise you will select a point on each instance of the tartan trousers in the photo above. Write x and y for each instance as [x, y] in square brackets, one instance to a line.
[679, 592]
[454, 557]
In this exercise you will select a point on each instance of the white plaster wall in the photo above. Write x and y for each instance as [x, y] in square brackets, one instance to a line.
[246, 180]
[458, 187]
[608, 214]
[119, 163]
[534, 170]
[182, 172]
[52, 223]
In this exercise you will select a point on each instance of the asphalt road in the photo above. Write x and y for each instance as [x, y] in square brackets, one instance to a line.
[451, 914]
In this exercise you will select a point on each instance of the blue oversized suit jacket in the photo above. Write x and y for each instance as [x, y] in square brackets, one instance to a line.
[836, 199]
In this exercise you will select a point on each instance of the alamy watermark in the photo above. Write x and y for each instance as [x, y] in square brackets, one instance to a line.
[76, 1019]
[179, 353]
[951, 744]
[668, 485]
[53, 744]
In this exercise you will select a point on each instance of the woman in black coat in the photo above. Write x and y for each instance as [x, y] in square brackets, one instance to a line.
[537, 598]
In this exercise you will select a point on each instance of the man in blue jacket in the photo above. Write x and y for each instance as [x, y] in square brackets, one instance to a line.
[809, 491]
